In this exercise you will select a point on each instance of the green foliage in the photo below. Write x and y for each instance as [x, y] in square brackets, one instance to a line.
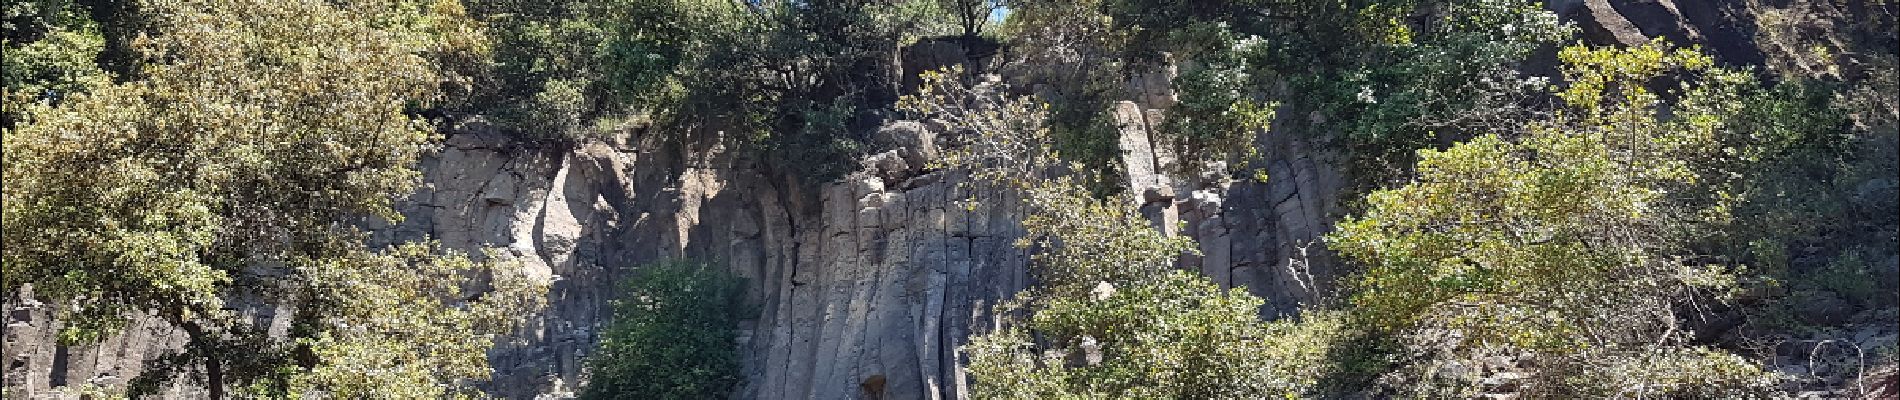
[1216, 119]
[821, 140]
[1572, 239]
[1847, 275]
[1791, 147]
[1007, 143]
[1460, 73]
[1222, 103]
[1668, 372]
[414, 332]
[800, 83]
[228, 170]
[52, 51]
[1111, 317]
[1065, 47]
[1007, 140]
[557, 67]
[672, 337]
[648, 42]
[915, 20]
[1804, 164]
[970, 15]
[1392, 75]
[1177, 336]
[1486, 222]
[824, 79]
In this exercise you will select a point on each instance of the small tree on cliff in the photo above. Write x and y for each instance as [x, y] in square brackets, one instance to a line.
[1568, 244]
[224, 175]
[1112, 317]
[672, 336]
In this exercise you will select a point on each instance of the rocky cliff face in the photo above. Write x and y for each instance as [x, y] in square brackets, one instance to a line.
[862, 287]
[865, 287]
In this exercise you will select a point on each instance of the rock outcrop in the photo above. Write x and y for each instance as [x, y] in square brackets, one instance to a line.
[1263, 236]
[37, 366]
[864, 287]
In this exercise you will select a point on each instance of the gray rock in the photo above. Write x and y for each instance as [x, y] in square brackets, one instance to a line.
[1821, 307]
[1139, 158]
[915, 143]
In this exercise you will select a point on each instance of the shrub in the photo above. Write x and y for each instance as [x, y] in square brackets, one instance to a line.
[672, 337]
[1110, 316]
[1567, 242]
[1176, 336]
[1667, 372]
[52, 52]
[230, 168]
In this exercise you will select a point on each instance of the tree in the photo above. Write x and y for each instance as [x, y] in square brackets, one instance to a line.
[673, 335]
[1568, 244]
[1390, 75]
[1065, 47]
[971, 15]
[801, 83]
[51, 51]
[226, 177]
[560, 69]
[1110, 316]
[1423, 85]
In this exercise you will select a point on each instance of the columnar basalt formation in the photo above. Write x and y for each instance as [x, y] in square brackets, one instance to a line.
[861, 288]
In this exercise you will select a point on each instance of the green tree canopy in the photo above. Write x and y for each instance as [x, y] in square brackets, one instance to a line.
[1568, 243]
[1110, 316]
[226, 177]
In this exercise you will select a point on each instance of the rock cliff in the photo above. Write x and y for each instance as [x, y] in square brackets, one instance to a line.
[862, 288]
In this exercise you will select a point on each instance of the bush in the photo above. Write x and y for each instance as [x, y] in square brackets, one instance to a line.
[50, 58]
[1446, 79]
[1668, 372]
[230, 168]
[558, 67]
[1177, 336]
[1110, 317]
[672, 337]
[1569, 246]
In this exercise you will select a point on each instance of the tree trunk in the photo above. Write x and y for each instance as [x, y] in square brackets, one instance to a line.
[214, 370]
[214, 377]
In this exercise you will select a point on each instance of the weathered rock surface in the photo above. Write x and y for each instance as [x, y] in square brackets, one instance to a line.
[863, 288]
[1263, 236]
[1724, 27]
[37, 366]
